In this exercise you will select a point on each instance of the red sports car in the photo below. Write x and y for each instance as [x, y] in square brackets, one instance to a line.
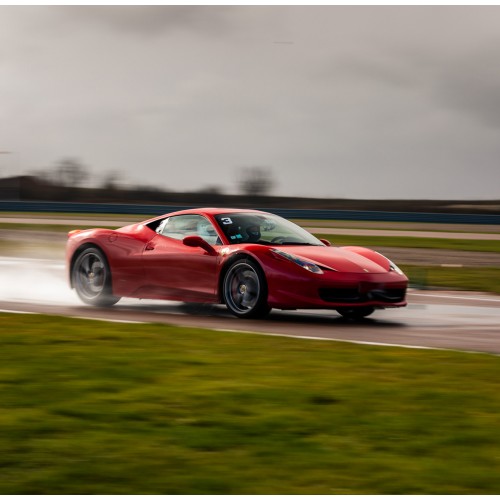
[250, 260]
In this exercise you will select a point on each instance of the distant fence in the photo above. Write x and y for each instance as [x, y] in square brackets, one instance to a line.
[289, 213]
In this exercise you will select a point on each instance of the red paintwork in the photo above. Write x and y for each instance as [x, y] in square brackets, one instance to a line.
[145, 264]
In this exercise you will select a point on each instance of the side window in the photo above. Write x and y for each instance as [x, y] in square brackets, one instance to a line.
[180, 226]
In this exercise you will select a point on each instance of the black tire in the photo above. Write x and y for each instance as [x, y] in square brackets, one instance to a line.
[91, 278]
[355, 312]
[245, 290]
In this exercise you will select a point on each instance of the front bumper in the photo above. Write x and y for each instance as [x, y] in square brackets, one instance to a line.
[333, 289]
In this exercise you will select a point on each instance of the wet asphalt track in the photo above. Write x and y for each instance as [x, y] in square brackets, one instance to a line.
[434, 319]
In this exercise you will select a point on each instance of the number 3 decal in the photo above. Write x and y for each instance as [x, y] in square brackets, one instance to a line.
[226, 220]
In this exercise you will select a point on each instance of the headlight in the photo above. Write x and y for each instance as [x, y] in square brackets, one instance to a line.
[393, 267]
[309, 266]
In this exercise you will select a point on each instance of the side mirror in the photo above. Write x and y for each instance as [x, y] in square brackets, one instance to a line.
[197, 242]
[326, 242]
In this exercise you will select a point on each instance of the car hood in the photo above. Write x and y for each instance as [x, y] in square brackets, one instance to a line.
[341, 259]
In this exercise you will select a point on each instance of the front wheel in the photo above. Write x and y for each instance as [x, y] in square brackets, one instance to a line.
[91, 278]
[245, 290]
[355, 312]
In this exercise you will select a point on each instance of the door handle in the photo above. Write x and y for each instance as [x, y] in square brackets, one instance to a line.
[150, 246]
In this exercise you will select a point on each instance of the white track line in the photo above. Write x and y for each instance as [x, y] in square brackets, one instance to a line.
[109, 320]
[10, 311]
[268, 334]
[347, 341]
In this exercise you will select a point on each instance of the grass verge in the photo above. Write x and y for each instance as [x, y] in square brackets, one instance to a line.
[479, 279]
[77, 215]
[413, 242]
[103, 408]
[55, 228]
[399, 226]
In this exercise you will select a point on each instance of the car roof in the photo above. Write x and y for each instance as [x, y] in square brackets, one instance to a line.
[215, 211]
[210, 211]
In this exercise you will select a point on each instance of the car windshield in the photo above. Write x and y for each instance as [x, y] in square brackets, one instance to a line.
[263, 229]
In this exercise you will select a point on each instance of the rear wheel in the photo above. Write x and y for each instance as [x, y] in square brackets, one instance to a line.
[91, 278]
[355, 312]
[245, 290]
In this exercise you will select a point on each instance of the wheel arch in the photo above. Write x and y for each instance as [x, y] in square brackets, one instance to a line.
[79, 251]
[229, 262]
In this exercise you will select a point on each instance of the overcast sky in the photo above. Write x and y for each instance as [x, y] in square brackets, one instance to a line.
[353, 101]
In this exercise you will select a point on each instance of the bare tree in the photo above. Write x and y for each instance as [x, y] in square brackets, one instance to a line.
[70, 172]
[211, 189]
[256, 181]
[111, 180]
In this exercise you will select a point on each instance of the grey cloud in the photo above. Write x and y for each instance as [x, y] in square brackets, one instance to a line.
[369, 70]
[366, 101]
[471, 85]
[149, 20]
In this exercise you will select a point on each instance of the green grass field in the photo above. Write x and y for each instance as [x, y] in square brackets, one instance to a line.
[103, 408]
[56, 228]
[77, 215]
[400, 226]
[479, 279]
[413, 242]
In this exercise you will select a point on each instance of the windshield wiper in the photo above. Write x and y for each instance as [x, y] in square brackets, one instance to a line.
[297, 243]
[284, 243]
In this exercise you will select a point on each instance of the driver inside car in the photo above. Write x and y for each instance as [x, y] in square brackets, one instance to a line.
[253, 233]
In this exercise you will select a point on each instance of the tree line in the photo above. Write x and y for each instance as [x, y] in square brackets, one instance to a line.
[72, 173]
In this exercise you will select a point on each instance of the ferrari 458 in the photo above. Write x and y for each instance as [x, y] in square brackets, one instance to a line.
[249, 260]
